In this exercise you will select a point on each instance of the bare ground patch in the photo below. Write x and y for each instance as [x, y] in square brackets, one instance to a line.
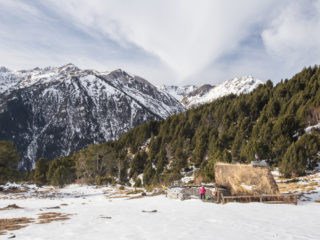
[10, 224]
[52, 216]
[293, 187]
[11, 207]
[13, 189]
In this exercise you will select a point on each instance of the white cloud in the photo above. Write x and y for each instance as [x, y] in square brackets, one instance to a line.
[294, 36]
[186, 35]
[31, 37]
[193, 41]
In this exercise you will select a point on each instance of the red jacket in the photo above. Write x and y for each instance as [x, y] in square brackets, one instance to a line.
[202, 190]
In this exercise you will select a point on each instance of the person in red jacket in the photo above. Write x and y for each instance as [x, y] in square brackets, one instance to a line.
[202, 192]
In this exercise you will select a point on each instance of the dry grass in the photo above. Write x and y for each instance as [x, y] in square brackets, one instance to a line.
[14, 190]
[310, 189]
[10, 224]
[125, 194]
[107, 191]
[52, 216]
[293, 186]
[135, 197]
[236, 177]
[116, 196]
[136, 191]
[313, 184]
[10, 207]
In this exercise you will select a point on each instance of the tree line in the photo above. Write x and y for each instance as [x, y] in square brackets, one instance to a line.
[267, 123]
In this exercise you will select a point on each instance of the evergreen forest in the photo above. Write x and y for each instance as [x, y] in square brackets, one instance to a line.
[268, 123]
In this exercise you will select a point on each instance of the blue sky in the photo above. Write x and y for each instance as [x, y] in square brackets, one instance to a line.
[166, 42]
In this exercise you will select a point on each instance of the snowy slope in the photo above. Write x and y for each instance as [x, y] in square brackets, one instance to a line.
[234, 86]
[177, 91]
[95, 214]
[7, 79]
[55, 111]
[310, 128]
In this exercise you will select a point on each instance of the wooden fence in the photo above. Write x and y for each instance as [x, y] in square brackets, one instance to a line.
[273, 199]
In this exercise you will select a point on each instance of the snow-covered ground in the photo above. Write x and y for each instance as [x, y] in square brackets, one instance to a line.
[309, 129]
[109, 213]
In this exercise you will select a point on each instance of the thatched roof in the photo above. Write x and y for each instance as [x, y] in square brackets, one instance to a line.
[242, 179]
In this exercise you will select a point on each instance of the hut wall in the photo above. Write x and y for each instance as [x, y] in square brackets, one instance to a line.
[184, 193]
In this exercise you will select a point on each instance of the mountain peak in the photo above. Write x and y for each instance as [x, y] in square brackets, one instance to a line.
[208, 93]
[64, 109]
[4, 69]
[69, 67]
[118, 72]
[177, 91]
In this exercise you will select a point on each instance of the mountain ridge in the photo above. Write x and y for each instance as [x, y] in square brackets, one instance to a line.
[206, 93]
[54, 111]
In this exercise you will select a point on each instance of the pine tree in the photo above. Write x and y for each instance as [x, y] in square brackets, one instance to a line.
[148, 174]
[8, 155]
[61, 176]
[66, 162]
[8, 162]
[138, 163]
[291, 164]
[40, 172]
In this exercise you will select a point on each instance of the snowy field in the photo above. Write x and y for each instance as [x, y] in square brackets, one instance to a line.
[87, 212]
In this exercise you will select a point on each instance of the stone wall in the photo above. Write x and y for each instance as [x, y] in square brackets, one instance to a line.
[184, 193]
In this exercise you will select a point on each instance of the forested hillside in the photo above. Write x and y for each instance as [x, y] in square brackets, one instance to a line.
[269, 123]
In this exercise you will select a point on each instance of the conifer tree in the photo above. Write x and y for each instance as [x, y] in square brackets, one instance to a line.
[40, 172]
[8, 162]
[148, 174]
[61, 176]
[8, 155]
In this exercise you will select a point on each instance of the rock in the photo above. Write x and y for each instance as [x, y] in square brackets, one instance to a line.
[157, 191]
[152, 211]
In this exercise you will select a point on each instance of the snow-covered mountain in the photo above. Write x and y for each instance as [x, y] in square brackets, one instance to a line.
[54, 111]
[192, 96]
[176, 91]
[208, 93]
